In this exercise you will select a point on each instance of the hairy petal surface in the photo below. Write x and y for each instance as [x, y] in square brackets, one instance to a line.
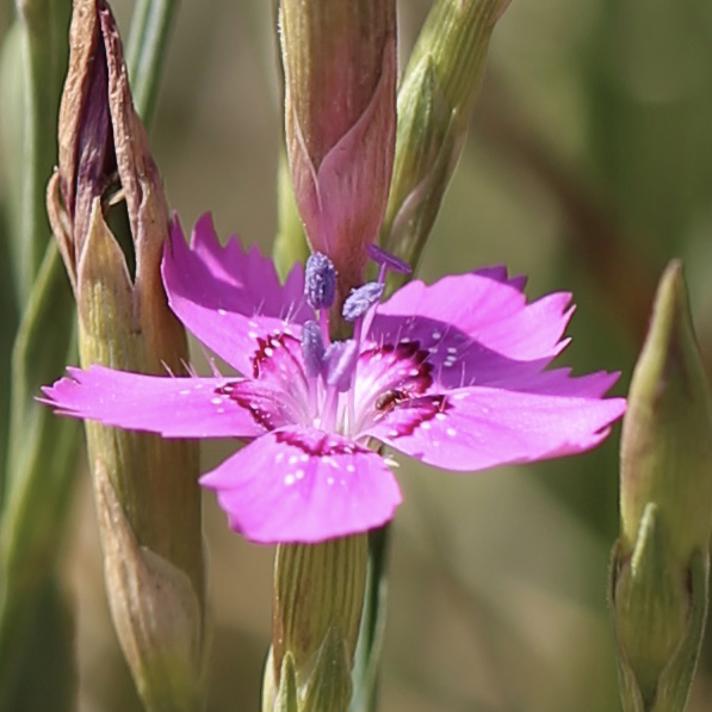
[304, 485]
[484, 306]
[473, 428]
[173, 407]
[455, 358]
[228, 297]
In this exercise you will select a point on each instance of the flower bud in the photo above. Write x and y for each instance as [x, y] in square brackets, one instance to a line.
[659, 576]
[106, 173]
[339, 62]
[666, 446]
[435, 100]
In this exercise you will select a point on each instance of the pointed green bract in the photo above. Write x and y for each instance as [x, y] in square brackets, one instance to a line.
[659, 577]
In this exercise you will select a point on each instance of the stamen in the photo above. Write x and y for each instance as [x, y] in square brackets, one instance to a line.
[361, 299]
[313, 349]
[387, 261]
[320, 281]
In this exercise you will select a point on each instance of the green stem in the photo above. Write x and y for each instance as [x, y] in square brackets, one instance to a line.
[40, 473]
[43, 51]
[145, 51]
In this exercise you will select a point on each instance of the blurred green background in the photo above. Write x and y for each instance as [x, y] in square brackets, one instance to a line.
[588, 166]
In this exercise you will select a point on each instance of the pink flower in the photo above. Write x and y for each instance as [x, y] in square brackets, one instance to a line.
[453, 374]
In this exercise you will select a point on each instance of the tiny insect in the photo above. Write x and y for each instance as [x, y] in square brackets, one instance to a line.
[390, 399]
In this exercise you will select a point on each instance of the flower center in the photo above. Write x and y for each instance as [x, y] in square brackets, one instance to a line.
[331, 366]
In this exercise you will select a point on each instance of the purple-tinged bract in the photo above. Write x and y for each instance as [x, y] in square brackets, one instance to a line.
[454, 374]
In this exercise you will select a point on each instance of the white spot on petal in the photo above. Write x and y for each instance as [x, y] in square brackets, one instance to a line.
[185, 392]
[425, 425]
[216, 401]
[451, 432]
[299, 474]
[440, 416]
[350, 468]
[293, 459]
[289, 479]
[222, 312]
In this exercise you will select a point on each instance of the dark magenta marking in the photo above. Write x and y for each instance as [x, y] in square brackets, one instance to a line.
[321, 445]
[274, 342]
[423, 409]
[248, 402]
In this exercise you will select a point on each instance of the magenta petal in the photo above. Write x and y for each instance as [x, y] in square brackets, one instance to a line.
[486, 306]
[173, 407]
[304, 485]
[473, 428]
[252, 277]
[228, 298]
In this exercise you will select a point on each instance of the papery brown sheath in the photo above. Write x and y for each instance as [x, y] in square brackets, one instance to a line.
[109, 214]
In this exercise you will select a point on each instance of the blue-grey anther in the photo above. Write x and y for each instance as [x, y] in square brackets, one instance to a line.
[340, 361]
[320, 281]
[312, 348]
[361, 299]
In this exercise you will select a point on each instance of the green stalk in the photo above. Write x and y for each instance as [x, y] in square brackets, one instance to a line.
[35, 623]
[145, 51]
[40, 473]
[42, 28]
[373, 624]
